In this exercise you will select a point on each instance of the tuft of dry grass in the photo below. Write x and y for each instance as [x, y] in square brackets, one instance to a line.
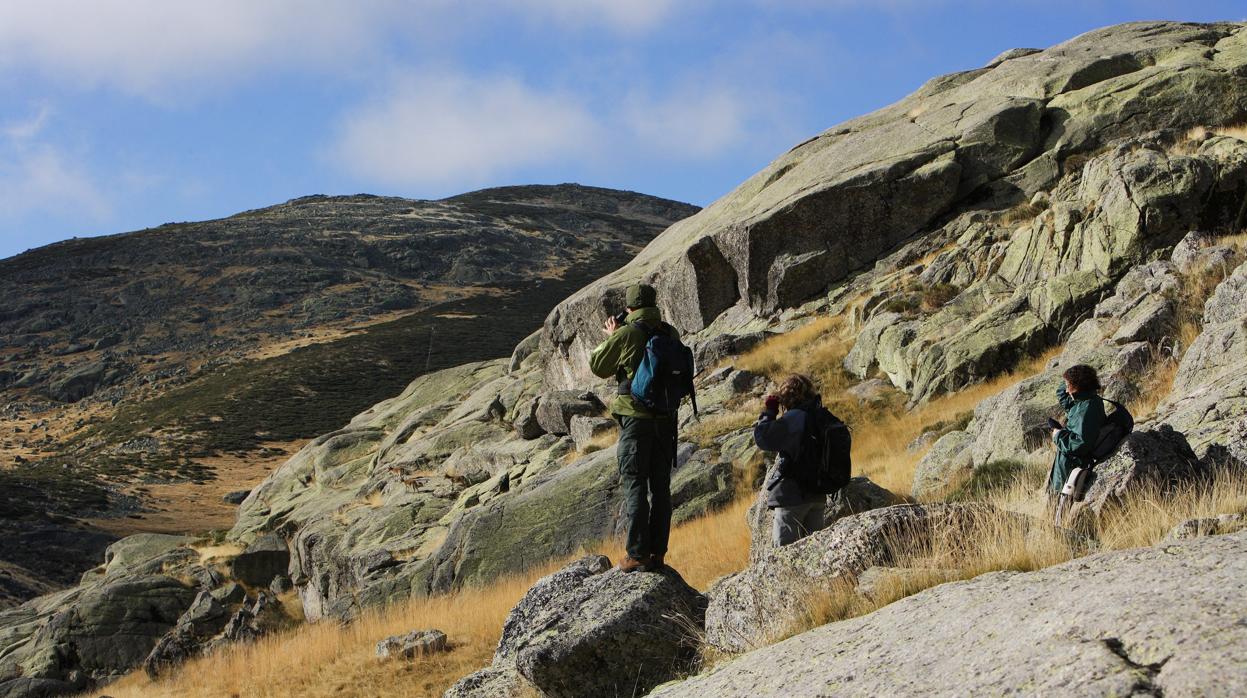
[704, 431]
[600, 442]
[1022, 213]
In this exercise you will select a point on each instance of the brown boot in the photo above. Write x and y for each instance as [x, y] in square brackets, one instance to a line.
[631, 564]
[655, 563]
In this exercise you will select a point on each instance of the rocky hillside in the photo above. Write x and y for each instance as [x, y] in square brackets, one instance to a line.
[199, 352]
[1084, 201]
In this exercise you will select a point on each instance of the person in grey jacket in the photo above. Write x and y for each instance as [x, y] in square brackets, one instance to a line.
[797, 513]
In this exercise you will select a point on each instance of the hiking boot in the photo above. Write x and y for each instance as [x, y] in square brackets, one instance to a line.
[631, 564]
[655, 563]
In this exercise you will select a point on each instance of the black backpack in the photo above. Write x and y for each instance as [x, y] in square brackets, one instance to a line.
[824, 464]
[1117, 425]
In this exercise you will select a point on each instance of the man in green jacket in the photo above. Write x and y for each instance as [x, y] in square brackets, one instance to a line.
[647, 441]
[1080, 397]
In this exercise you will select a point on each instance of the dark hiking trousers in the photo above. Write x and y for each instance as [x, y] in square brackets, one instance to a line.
[646, 456]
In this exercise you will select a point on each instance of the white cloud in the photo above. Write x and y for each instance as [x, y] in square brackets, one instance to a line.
[37, 177]
[145, 46]
[157, 47]
[452, 130]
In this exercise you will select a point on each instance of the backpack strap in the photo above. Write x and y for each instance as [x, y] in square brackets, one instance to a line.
[1114, 403]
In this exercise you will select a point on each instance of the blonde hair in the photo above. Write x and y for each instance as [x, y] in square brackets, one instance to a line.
[796, 389]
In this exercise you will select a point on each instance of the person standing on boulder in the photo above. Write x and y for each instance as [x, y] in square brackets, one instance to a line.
[647, 441]
[797, 513]
[1084, 416]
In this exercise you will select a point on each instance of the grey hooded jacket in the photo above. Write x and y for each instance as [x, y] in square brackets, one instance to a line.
[783, 434]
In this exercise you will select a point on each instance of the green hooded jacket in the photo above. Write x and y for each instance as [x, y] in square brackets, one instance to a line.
[1074, 443]
[619, 356]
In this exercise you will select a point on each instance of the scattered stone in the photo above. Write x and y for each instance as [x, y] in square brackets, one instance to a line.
[1159, 456]
[861, 494]
[236, 497]
[719, 347]
[416, 643]
[492, 682]
[1211, 526]
[526, 425]
[870, 391]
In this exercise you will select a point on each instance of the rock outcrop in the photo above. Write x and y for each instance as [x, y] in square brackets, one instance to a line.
[753, 607]
[856, 497]
[1150, 621]
[1208, 402]
[592, 630]
[1160, 457]
[833, 205]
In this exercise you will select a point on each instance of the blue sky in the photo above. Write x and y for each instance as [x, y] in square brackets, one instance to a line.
[117, 115]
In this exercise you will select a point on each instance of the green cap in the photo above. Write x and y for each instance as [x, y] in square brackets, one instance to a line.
[641, 296]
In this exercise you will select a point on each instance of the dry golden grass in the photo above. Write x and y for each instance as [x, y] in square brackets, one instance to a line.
[1199, 133]
[326, 658]
[1149, 512]
[705, 430]
[995, 541]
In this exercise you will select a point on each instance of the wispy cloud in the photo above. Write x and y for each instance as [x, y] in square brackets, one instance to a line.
[40, 178]
[158, 48]
[459, 130]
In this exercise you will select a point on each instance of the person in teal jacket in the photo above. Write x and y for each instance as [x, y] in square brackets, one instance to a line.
[1080, 397]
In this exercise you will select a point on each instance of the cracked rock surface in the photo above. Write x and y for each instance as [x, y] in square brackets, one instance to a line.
[1165, 620]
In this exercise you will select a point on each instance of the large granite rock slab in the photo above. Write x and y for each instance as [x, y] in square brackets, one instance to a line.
[752, 607]
[1153, 621]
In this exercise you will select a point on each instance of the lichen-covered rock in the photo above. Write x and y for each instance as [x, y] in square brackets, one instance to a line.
[88, 635]
[592, 630]
[833, 205]
[948, 459]
[856, 497]
[585, 429]
[416, 643]
[1159, 456]
[1208, 403]
[206, 617]
[750, 608]
[714, 349]
[1148, 621]
[1210, 526]
[556, 409]
[491, 682]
